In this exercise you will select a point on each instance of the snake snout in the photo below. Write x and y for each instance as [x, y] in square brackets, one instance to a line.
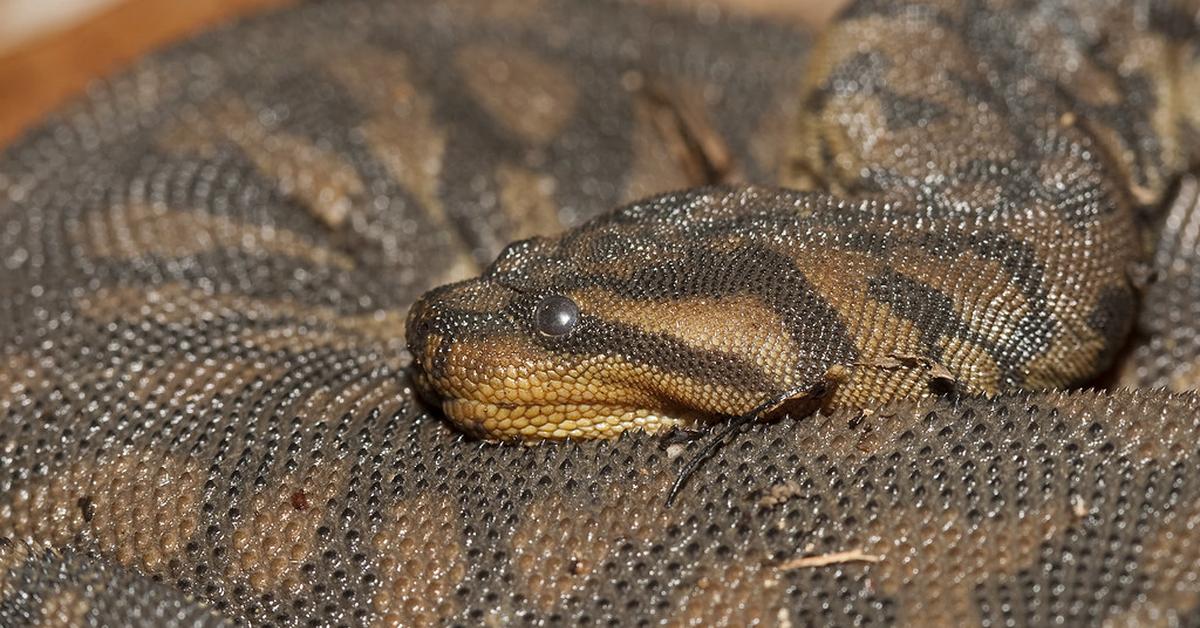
[450, 319]
[424, 335]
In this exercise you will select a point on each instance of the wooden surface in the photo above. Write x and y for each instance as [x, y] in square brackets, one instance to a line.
[41, 74]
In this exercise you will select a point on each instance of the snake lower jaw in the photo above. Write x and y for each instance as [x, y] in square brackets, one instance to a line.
[578, 421]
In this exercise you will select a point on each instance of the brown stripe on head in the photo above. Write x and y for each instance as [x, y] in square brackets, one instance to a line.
[738, 325]
[677, 310]
[841, 277]
[628, 362]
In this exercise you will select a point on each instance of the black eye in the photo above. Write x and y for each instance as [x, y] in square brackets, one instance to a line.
[556, 315]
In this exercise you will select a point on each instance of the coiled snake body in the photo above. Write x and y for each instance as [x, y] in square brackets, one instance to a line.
[905, 240]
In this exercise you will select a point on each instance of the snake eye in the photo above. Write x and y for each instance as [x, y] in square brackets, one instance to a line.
[556, 315]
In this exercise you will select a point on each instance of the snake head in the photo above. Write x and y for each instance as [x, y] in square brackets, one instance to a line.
[658, 314]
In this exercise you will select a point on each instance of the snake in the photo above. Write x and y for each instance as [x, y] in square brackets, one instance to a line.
[278, 299]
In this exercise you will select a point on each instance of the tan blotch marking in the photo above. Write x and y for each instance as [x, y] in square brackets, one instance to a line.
[137, 230]
[313, 174]
[1190, 95]
[561, 543]
[770, 143]
[738, 591]
[271, 545]
[929, 560]
[65, 609]
[23, 375]
[279, 531]
[932, 562]
[811, 14]
[853, 128]
[659, 162]
[530, 96]
[139, 508]
[404, 135]
[401, 130]
[421, 561]
[13, 554]
[299, 326]
[528, 200]
[496, 10]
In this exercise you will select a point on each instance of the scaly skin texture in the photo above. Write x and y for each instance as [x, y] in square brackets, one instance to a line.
[206, 268]
[975, 227]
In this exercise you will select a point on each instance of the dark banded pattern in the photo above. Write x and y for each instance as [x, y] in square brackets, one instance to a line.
[974, 215]
[208, 266]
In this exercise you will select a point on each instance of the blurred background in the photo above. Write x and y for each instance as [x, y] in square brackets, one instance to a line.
[50, 49]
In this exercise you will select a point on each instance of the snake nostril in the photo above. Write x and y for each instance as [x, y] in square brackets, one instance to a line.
[420, 326]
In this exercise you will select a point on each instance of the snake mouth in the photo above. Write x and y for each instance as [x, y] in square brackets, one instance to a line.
[504, 421]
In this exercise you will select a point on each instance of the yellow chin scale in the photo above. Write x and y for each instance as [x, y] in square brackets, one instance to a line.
[553, 421]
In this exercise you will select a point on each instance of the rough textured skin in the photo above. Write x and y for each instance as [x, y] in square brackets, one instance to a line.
[207, 266]
[978, 172]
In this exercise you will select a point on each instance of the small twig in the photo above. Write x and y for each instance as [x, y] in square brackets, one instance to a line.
[835, 558]
[707, 451]
[726, 433]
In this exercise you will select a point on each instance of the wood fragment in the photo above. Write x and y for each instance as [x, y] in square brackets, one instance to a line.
[834, 558]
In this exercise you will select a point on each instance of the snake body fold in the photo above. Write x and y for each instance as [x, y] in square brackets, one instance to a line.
[208, 268]
[973, 224]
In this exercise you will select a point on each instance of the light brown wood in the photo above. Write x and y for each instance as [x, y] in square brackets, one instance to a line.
[42, 74]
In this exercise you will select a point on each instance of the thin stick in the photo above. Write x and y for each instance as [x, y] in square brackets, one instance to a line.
[737, 423]
[834, 558]
[707, 451]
